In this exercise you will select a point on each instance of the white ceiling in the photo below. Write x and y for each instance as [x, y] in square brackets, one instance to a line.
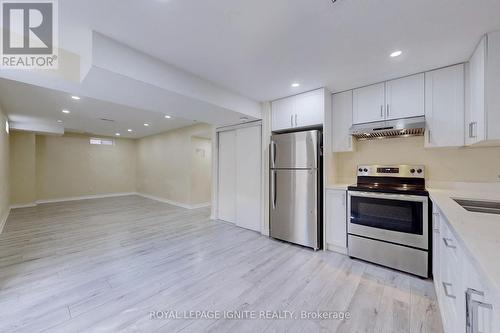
[26, 103]
[260, 47]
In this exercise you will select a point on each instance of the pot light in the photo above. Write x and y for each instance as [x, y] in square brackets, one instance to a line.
[295, 85]
[396, 54]
[59, 121]
[75, 97]
[243, 119]
[168, 117]
[66, 111]
[147, 125]
[129, 130]
[117, 134]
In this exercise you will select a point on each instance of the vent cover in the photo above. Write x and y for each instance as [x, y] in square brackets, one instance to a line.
[389, 129]
[389, 134]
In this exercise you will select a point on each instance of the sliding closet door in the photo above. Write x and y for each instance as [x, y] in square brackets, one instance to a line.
[248, 177]
[227, 176]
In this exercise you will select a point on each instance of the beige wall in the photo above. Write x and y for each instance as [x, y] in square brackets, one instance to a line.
[478, 164]
[4, 171]
[55, 167]
[175, 166]
[201, 169]
[165, 164]
[22, 168]
[68, 166]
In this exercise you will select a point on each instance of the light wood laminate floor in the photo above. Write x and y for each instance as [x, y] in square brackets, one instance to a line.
[104, 265]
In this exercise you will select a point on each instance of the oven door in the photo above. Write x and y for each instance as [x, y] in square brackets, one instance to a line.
[394, 218]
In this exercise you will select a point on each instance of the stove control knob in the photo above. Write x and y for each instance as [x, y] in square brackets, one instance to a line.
[419, 170]
[412, 170]
[360, 170]
[365, 170]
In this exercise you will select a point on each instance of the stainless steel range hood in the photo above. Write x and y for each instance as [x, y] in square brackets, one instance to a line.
[389, 129]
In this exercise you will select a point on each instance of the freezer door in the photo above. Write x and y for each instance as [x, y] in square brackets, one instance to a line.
[294, 206]
[297, 150]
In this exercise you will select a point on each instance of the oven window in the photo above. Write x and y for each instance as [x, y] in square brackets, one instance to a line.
[388, 214]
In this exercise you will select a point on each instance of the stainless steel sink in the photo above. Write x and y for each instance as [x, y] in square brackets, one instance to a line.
[479, 206]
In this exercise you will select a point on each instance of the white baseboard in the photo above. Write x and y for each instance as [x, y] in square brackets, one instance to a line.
[85, 197]
[28, 205]
[174, 203]
[3, 220]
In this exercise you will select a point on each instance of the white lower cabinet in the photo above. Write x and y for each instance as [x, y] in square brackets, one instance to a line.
[336, 220]
[465, 297]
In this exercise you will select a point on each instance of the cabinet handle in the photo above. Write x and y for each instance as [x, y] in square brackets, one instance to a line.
[449, 243]
[382, 111]
[472, 310]
[446, 292]
[429, 136]
[470, 130]
[436, 217]
[474, 129]
[291, 120]
[295, 120]
[387, 111]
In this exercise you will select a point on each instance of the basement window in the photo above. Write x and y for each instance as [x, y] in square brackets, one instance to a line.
[104, 142]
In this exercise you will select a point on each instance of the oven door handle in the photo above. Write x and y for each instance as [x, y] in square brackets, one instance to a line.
[390, 196]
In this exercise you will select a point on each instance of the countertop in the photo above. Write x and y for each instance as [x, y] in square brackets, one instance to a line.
[478, 233]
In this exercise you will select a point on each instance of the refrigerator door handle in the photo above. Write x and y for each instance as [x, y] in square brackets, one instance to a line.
[273, 188]
[273, 154]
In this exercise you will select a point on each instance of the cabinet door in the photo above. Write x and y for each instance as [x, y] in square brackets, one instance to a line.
[405, 97]
[336, 220]
[436, 238]
[341, 121]
[283, 112]
[248, 177]
[227, 176]
[369, 104]
[445, 107]
[309, 108]
[475, 115]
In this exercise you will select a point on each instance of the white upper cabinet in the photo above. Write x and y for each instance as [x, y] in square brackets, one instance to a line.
[482, 115]
[401, 98]
[303, 110]
[405, 97]
[445, 107]
[283, 111]
[369, 104]
[310, 108]
[341, 121]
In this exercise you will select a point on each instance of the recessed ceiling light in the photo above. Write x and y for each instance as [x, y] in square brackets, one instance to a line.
[396, 54]
[59, 121]
[295, 85]
[129, 130]
[244, 118]
[66, 111]
[117, 134]
[168, 117]
[75, 97]
[146, 124]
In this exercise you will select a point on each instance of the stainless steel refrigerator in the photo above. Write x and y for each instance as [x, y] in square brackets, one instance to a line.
[296, 188]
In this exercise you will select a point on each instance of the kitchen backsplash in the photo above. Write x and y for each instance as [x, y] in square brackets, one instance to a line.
[478, 164]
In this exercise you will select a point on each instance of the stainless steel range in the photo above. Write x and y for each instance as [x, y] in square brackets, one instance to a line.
[389, 217]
